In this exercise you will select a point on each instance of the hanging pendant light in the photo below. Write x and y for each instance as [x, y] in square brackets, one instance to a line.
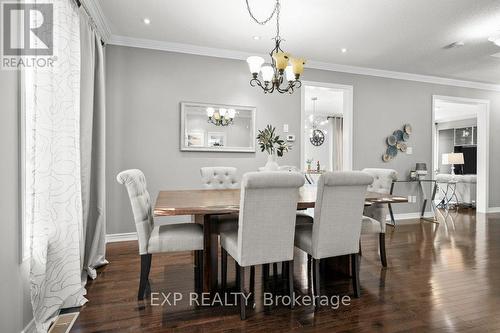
[283, 72]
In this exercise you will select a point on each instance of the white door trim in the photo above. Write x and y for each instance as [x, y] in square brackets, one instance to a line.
[483, 139]
[348, 119]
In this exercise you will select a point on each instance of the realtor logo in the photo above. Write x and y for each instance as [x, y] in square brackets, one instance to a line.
[27, 34]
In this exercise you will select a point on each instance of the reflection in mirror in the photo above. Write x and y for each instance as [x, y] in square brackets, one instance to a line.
[217, 127]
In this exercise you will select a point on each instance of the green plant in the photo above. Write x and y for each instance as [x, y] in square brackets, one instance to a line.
[272, 143]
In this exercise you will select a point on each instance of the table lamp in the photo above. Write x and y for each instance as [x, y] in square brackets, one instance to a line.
[452, 159]
[421, 169]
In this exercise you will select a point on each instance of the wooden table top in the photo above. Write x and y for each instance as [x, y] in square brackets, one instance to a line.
[200, 202]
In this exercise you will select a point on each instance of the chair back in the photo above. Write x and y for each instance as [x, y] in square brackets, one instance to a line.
[266, 226]
[338, 213]
[382, 179]
[135, 182]
[219, 177]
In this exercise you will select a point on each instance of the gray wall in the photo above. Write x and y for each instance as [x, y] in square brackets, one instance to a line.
[144, 88]
[15, 307]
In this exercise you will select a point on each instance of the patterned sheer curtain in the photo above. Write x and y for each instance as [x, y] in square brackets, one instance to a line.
[54, 173]
[336, 134]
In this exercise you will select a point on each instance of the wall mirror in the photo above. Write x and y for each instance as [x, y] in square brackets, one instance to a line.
[217, 127]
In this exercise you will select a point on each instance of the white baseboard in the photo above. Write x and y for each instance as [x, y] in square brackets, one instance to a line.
[494, 210]
[124, 237]
[30, 328]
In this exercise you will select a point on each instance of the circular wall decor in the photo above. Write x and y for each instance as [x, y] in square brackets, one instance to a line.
[407, 128]
[391, 140]
[317, 138]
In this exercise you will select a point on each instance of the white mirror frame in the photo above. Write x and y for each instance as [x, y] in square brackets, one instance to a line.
[183, 146]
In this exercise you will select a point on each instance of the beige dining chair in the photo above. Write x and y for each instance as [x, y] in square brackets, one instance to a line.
[376, 214]
[266, 225]
[158, 239]
[337, 222]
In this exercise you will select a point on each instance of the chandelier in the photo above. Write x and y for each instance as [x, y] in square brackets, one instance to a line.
[283, 73]
[220, 117]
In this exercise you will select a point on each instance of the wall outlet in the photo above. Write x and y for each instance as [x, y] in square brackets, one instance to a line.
[414, 198]
[409, 198]
[409, 150]
[290, 138]
[285, 128]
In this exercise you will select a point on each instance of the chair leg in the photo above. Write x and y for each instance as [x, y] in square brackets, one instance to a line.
[381, 242]
[223, 267]
[355, 274]
[360, 253]
[143, 283]
[237, 272]
[196, 271]
[252, 282]
[242, 291]
[290, 282]
[316, 278]
[309, 264]
[200, 270]
[275, 269]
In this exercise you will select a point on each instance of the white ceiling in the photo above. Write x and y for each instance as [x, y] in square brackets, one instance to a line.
[405, 36]
[446, 111]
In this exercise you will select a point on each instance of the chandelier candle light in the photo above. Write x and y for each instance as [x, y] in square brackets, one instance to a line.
[220, 117]
[284, 72]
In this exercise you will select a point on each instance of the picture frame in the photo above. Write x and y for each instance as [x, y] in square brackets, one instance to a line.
[216, 139]
[195, 139]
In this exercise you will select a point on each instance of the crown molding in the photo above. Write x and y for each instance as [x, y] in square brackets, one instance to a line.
[95, 11]
[240, 55]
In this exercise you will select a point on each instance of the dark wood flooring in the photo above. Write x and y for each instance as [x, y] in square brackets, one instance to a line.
[442, 278]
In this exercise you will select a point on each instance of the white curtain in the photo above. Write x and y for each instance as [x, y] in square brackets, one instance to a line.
[92, 128]
[53, 155]
[337, 142]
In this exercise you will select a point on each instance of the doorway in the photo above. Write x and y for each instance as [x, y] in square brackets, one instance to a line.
[326, 126]
[460, 127]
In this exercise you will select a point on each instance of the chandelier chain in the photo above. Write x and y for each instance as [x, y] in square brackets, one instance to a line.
[276, 11]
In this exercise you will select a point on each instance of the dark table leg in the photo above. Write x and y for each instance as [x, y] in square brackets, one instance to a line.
[210, 253]
[393, 221]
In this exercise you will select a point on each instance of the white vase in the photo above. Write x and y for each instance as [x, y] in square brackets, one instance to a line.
[271, 164]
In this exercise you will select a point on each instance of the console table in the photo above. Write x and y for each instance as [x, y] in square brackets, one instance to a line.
[424, 197]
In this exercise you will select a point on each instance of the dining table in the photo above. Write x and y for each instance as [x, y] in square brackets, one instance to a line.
[204, 203]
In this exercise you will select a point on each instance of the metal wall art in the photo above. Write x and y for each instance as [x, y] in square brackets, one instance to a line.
[397, 142]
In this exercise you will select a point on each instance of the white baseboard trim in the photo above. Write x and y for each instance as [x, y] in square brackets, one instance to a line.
[494, 210]
[123, 237]
[30, 328]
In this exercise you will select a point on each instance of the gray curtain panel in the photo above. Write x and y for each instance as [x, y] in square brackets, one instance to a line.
[92, 148]
[337, 142]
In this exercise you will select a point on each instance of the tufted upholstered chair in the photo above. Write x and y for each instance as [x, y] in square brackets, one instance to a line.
[337, 221]
[375, 215]
[219, 177]
[158, 239]
[266, 225]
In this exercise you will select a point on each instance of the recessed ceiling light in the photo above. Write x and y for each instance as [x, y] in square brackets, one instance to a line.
[146, 20]
[343, 50]
[256, 37]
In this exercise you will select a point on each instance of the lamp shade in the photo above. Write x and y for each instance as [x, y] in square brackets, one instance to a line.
[453, 158]
[210, 112]
[421, 167]
[267, 73]
[289, 73]
[298, 65]
[254, 63]
[281, 59]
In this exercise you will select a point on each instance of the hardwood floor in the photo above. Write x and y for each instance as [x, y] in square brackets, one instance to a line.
[442, 278]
